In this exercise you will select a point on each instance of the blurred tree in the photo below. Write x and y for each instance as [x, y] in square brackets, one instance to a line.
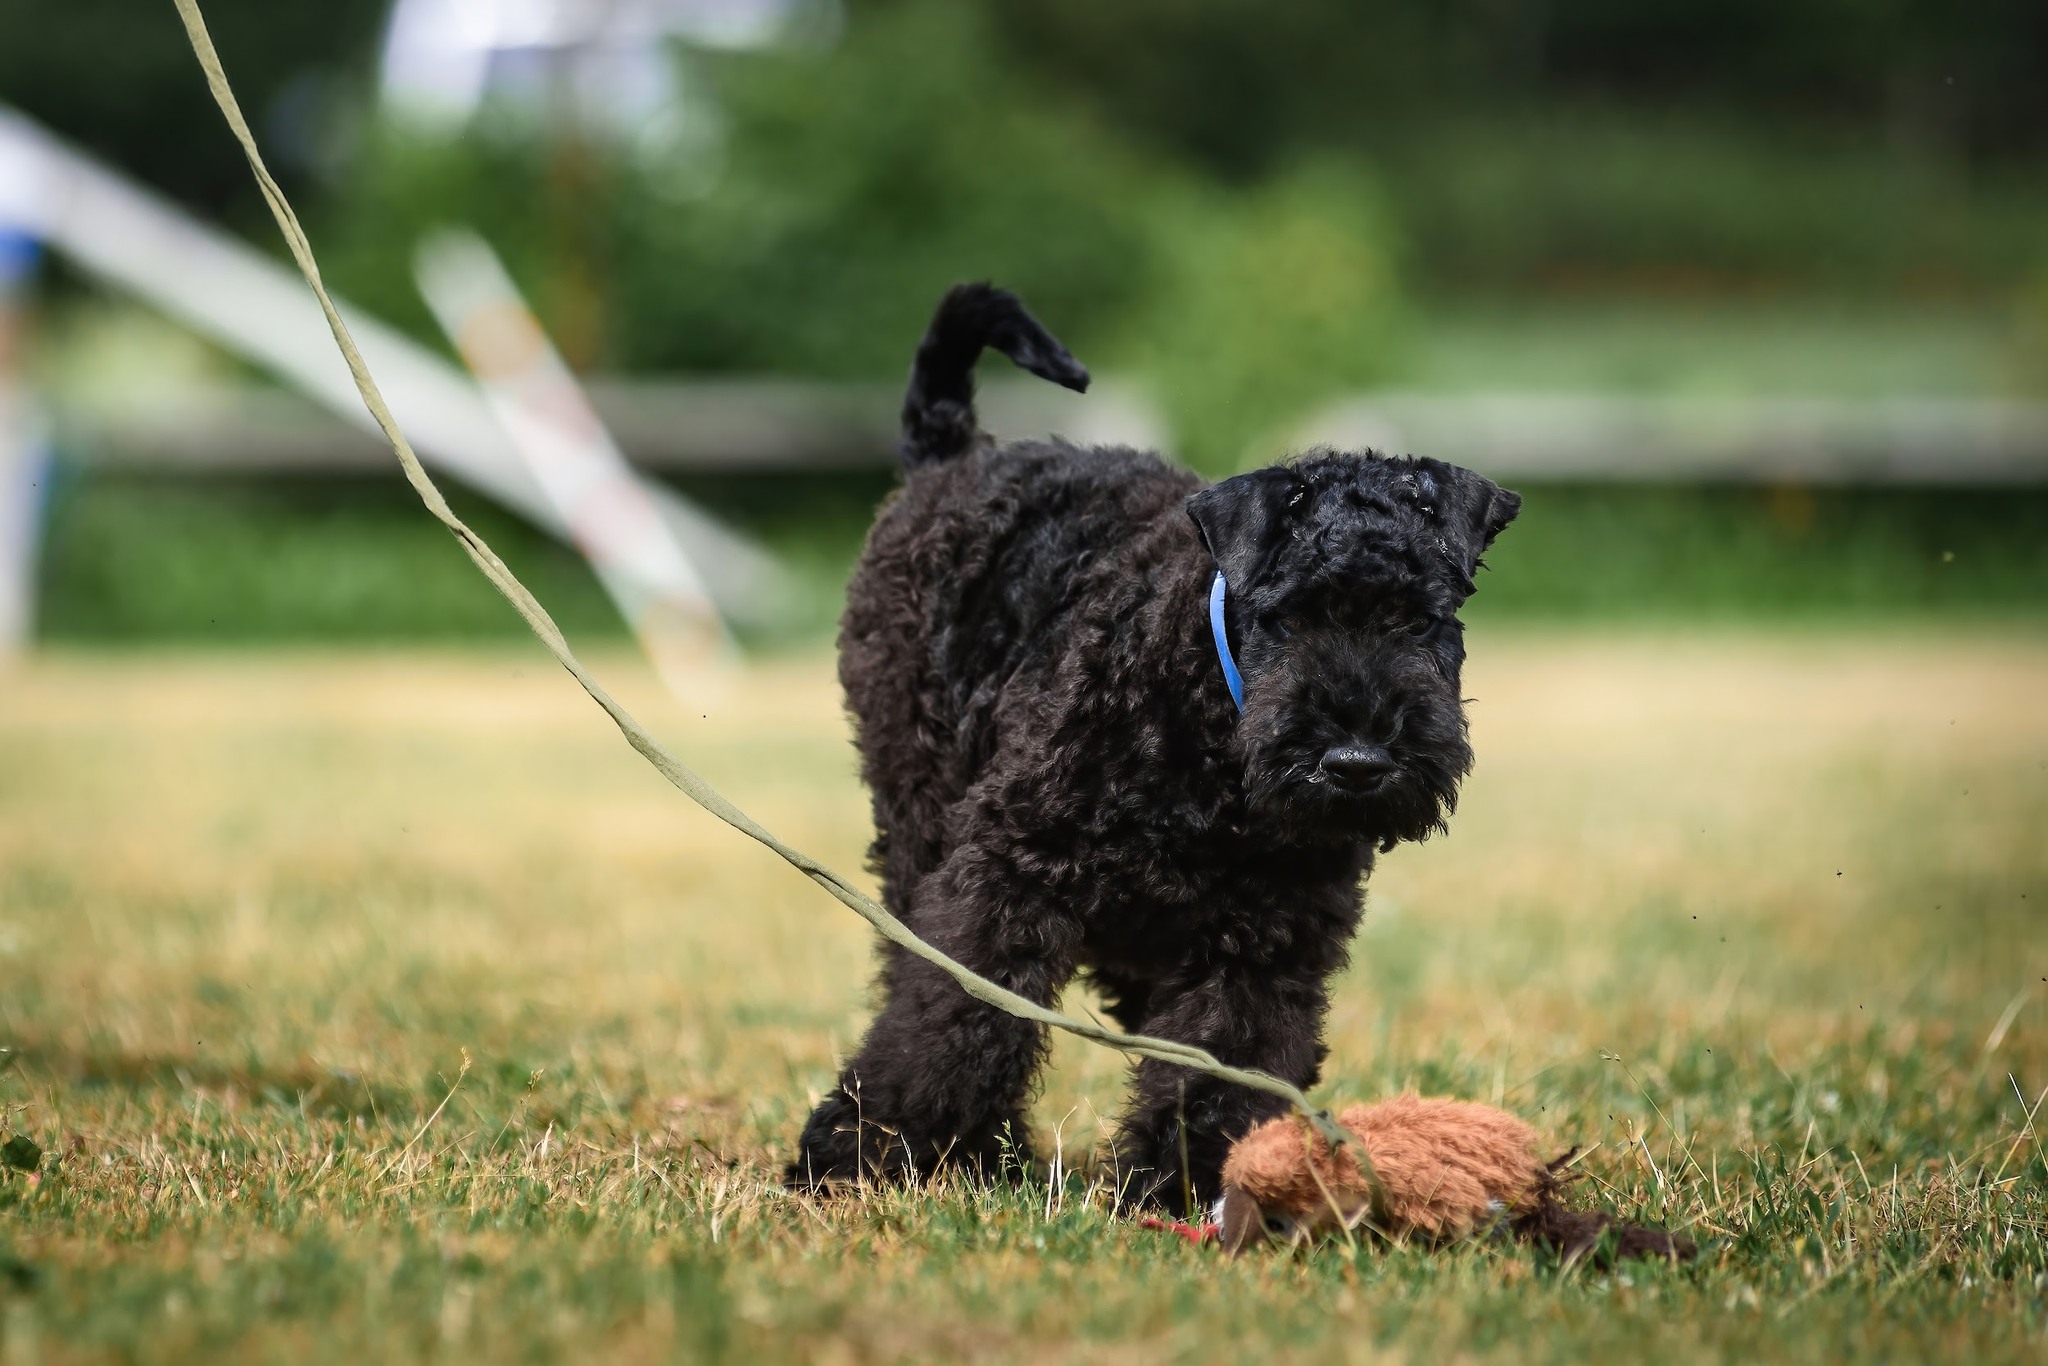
[855, 185]
[851, 186]
[1270, 302]
[825, 193]
[1842, 145]
[119, 77]
[858, 183]
[1241, 84]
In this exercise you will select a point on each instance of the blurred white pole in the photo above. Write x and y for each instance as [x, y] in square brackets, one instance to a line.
[261, 309]
[571, 456]
[24, 453]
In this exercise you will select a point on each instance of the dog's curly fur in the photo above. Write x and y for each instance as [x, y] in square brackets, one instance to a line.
[1063, 784]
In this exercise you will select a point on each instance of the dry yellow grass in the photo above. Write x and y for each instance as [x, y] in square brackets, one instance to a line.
[1759, 915]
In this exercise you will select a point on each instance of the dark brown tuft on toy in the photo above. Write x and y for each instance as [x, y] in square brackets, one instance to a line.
[1546, 1221]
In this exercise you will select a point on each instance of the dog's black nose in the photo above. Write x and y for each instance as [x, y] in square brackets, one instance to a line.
[1355, 768]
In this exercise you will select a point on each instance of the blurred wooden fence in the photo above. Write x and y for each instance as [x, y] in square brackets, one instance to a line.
[745, 425]
[1613, 438]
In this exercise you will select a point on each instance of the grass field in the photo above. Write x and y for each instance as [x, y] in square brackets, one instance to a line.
[386, 1007]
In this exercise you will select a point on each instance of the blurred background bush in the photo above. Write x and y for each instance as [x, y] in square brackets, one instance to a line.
[1251, 210]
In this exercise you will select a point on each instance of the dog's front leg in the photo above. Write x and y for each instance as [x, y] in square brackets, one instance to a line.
[942, 1077]
[1172, 1141]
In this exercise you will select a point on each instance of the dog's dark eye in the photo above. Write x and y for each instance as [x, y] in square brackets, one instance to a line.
[1425, 628]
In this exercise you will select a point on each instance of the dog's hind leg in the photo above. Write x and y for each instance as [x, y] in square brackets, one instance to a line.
[941, 1077]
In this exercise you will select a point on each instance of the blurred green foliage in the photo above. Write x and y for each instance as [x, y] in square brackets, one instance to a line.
[1271, 302]
[119, 77]
[854, 184]
[1584, 202]
[1096, 160]
[1234, 89]
[1791, 554]
[859, 182]
[136, 558]
[1240, 86]
[1521, 144]
[1243, 202]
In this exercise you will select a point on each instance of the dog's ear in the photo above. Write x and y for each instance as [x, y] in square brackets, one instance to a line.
[1243, 521]
[1473, 507]
[1488, 508]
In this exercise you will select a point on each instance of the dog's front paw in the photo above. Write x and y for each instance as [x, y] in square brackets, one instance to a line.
[840, 1148]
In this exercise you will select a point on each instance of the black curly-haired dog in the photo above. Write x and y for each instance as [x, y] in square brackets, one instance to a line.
[1063, 781]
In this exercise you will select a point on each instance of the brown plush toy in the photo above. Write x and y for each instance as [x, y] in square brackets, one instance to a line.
[1446, 1169]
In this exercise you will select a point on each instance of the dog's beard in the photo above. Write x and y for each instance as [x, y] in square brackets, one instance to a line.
[1286, 734]
[1412, 803]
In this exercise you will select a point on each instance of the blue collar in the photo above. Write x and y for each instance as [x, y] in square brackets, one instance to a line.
[1217, 629]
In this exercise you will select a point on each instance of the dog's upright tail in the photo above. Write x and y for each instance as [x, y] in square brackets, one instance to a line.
[938, 409]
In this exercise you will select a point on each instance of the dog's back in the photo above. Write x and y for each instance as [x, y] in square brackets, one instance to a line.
[970, 571]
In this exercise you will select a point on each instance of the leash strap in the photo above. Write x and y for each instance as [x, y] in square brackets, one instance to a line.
[1223, 656]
